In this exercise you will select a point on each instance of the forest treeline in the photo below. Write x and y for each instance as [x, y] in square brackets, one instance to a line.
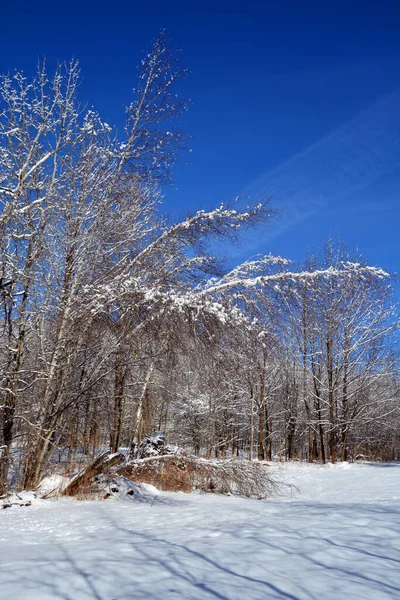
[116, 322]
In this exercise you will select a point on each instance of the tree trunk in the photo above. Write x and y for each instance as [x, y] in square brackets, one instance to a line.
[261, 433]
[319, 417]
[331, 401]
[261, 419]
[268, 432]
[13, 372]
[139, 414]
[5, 450]
[71, 446]
[251, 425]
[306, 403]
[345, 404]
[119, 402]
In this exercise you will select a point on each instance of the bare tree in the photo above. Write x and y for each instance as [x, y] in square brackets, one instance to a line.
[105, 302]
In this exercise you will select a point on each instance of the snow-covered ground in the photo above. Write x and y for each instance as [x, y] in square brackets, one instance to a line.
[336, 537]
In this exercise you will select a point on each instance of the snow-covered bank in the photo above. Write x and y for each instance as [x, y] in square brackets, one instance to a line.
[338, 536]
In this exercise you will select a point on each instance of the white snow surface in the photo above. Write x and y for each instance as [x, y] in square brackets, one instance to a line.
[336, 537]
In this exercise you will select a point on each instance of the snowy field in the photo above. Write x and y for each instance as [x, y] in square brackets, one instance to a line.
[337, 537]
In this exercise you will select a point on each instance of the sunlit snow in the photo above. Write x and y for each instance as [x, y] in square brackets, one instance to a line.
[337, 536]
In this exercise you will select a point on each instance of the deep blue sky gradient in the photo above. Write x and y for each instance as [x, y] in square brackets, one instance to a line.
[295, 100]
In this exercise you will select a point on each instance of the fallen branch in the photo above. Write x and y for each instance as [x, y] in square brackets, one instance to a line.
[101, 463]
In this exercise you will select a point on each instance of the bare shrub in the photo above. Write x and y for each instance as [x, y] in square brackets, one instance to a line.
[188, 474]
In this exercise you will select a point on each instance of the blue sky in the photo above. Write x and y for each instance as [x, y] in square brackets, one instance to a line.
[299, 101]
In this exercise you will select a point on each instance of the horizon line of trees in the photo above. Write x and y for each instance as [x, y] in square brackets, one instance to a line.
[116, 322]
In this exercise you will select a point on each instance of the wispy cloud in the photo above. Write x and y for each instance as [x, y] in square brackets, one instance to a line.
[346, 161]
